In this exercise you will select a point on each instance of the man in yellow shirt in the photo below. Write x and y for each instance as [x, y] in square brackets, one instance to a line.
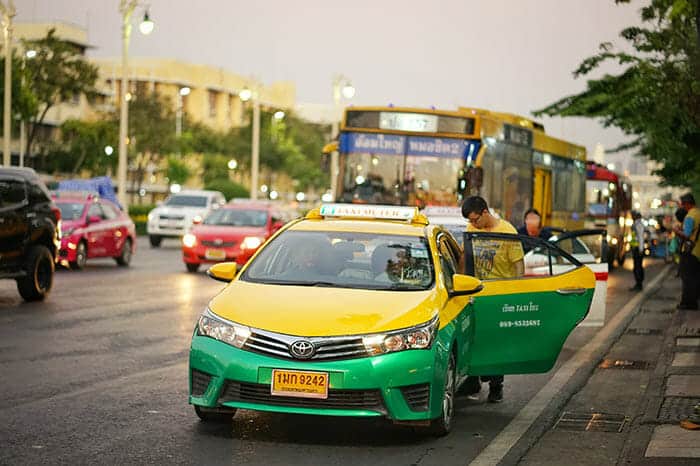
[493, 259]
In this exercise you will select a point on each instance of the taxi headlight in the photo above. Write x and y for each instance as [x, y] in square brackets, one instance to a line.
[151, 217]
[251, 242]
[418, 337]
[189, 240]
[223, 330]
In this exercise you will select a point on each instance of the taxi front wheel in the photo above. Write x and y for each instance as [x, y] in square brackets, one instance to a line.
[215, 414]
[442, 425]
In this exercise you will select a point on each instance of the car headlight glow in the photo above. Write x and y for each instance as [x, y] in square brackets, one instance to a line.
[223, 330]
[151, 217]
[418, 337]
[251, 242]
[189, 240]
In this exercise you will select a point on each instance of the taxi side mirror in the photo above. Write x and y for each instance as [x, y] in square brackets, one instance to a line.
[463, 285]
[223, 272]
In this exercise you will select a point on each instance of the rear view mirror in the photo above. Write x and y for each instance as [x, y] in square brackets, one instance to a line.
[463, 285]
[223, 272]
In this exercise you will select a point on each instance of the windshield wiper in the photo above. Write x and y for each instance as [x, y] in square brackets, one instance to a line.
[298, 283]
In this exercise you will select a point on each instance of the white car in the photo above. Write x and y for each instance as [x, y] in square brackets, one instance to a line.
[174, 217]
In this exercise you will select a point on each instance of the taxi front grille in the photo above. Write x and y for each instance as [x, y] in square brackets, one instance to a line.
[327, 349]
[172, 217]
[370, 400]
[200, 382]
[218, 244]
[417, 396]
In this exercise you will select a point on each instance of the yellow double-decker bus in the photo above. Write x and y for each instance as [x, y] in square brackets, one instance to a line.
[422, 157]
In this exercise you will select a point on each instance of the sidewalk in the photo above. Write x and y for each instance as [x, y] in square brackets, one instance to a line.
[629, 409]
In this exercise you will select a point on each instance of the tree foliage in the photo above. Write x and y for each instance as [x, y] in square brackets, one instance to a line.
[655, 99]
[58, 73]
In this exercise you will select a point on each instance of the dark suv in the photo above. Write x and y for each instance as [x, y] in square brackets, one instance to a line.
[29, 232]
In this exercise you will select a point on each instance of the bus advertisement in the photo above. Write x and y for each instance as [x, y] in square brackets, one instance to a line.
[428, 157]
[609, 200]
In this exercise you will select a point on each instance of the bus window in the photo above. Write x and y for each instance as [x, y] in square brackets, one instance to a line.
[517, 183]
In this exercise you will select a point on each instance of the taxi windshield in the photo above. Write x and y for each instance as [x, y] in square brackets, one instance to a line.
[71, 210]
[344, 259]
[237, 218]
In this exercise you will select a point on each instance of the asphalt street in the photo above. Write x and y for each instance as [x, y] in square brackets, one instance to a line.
[98, 373]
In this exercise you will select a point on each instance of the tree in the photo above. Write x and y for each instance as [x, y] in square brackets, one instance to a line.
[178, 171]
[84, 145]
[57, 73]
[656, 98]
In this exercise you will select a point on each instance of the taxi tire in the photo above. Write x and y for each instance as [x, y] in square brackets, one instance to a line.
[124, 259]
[192, 268]
[215, 415]
[80, 256]
[443, 425]
[37, 283]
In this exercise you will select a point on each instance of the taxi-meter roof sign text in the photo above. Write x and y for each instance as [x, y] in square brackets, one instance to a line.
[386, 212]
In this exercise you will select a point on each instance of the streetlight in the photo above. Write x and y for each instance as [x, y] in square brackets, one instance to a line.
[246, 95]
[8, 12]
[184, 91]
[232, 164]
[109, 150]
[279, 115]
[342, 87]
[126, 8]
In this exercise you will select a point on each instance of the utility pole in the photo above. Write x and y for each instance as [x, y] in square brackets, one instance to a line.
[8, 12]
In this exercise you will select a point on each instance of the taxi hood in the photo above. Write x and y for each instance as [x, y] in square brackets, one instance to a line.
[319, 311]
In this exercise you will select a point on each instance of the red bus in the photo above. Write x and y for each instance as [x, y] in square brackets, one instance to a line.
[609, 205]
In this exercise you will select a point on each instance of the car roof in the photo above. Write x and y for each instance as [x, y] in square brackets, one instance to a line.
[196, 192]
[23, 172]
[247, 206]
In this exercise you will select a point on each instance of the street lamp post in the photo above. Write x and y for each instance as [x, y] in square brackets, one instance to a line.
[246, 95]
[342, 87]
[8, 12]
[126, 8]
[182, 92]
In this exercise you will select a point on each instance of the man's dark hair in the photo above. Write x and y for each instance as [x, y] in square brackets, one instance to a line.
[689, 198]
[473, 205]
[532, 210]
[680, 214]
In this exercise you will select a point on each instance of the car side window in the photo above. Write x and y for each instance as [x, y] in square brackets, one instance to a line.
[38, 194]
[95, 211]
[109, 212]
[448, 261]
[12, 193]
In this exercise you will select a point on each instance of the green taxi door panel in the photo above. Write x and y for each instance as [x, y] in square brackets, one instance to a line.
[519, 324]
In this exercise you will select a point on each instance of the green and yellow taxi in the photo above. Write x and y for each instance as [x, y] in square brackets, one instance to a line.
[358, 310]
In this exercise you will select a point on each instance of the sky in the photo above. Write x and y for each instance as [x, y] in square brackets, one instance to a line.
[505, 55]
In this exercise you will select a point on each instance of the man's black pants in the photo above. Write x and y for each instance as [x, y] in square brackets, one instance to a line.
[638, 259]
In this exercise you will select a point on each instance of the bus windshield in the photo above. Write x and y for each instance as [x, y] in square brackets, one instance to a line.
[404, 170]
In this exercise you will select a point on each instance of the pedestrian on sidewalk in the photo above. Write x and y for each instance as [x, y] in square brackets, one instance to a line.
[690, 254]
[637, 245]
[496, 259]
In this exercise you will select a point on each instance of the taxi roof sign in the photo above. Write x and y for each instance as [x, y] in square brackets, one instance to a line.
[378, 212]
[442, 211]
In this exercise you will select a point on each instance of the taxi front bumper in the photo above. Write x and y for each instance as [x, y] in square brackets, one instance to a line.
[403, 386]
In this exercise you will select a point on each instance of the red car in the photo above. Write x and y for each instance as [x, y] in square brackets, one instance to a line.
[93, 227]
[232, 233]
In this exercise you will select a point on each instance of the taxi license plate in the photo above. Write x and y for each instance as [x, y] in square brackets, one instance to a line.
[303, 384]
[215, 254]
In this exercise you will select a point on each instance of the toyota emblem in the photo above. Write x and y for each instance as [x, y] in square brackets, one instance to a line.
[302, 349]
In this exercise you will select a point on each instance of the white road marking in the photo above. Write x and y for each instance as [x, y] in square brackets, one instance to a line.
[501, 445]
